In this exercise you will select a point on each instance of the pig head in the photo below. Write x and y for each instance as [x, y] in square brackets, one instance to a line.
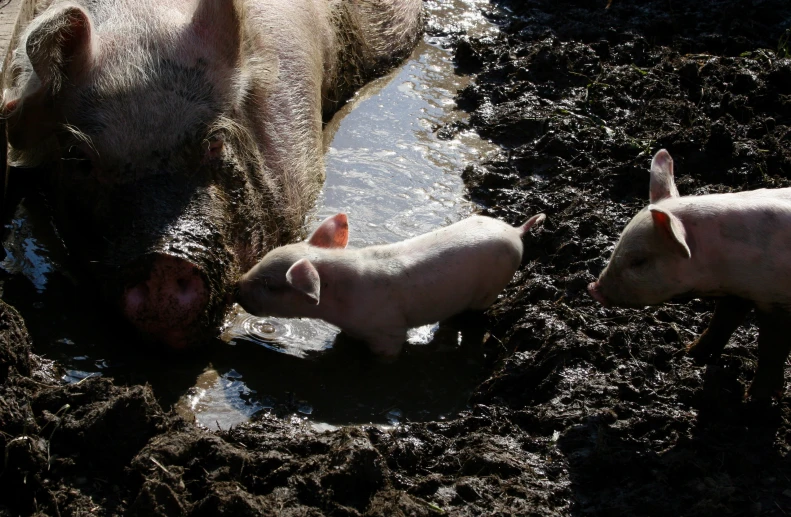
[188, 138]
[652, 261]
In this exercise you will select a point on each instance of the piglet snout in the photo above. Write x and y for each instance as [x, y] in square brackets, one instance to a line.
[594, 289]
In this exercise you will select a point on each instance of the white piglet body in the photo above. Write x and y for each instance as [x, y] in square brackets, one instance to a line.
[735, 247]
[377, 293]
[713, 245]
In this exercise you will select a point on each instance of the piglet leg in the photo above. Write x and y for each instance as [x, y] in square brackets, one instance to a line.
[729, 313]
[773, 348]
[387, 348]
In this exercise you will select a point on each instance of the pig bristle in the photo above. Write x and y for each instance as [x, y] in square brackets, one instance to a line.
[377, 35]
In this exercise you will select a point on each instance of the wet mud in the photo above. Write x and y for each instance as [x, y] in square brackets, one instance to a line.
[584, 410]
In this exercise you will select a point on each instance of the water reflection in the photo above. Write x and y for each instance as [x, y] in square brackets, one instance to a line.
[31, 243]
[343, 384]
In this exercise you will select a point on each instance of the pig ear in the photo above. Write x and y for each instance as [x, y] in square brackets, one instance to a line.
[59, 46]
[662, 184]
[303, 277]
[333, 232]
[671, 226]
[219, 24]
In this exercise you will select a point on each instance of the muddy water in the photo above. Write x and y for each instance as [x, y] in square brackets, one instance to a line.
[392, 175]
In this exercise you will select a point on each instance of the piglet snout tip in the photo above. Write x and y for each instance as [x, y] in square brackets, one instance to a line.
[593, 290]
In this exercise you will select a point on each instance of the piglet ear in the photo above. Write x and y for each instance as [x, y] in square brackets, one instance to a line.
[672, 227]
[333, 232]
[662, 184]
[303, 277]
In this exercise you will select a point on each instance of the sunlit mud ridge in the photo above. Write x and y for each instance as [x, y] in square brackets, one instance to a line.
[582, 410]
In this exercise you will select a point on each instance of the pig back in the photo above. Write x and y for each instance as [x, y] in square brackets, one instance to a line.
[460, 267]
[372, 36]
[740, 242]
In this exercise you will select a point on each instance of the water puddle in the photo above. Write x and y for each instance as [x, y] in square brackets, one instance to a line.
[392, 175]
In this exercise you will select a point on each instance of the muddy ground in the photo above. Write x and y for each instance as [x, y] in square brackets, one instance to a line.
[587, 411]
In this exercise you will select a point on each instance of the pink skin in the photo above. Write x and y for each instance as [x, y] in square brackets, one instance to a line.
[593, 290]
[174, 292]
[377, 293]
[734, 246]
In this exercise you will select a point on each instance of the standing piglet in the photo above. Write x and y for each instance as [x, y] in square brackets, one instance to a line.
[377, 293]
[735, 246]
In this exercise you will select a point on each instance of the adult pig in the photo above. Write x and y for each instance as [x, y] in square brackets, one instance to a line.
[735, 246]
[188, 134]
[377, 293]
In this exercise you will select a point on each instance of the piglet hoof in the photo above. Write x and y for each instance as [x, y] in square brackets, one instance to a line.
[702, 349]
[764, 389]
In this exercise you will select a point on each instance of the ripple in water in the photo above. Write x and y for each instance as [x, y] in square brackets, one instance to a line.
[297, 337]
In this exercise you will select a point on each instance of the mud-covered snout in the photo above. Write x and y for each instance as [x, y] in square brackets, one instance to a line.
[163, 256]
[167, 300]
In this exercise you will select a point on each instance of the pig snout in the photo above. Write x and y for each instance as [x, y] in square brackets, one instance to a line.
[166, 304]
[594, 289]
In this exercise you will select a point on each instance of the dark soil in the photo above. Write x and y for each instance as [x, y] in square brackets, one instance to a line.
[587, 411]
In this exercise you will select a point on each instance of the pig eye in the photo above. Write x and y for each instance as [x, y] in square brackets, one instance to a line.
[638, 262]
[78, 161]
[214, 147]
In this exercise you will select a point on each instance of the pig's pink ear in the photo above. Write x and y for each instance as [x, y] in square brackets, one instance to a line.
[303, 277]
[662, 184]
[60, 48]
[220, 25]
[672, 227]
[333, 232]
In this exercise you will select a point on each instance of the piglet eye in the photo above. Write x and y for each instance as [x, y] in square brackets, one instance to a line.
[638, 262]
[272, 287]
[214, 147]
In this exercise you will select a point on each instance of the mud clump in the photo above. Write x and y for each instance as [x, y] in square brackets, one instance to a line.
[14, 343]
[587, 411]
